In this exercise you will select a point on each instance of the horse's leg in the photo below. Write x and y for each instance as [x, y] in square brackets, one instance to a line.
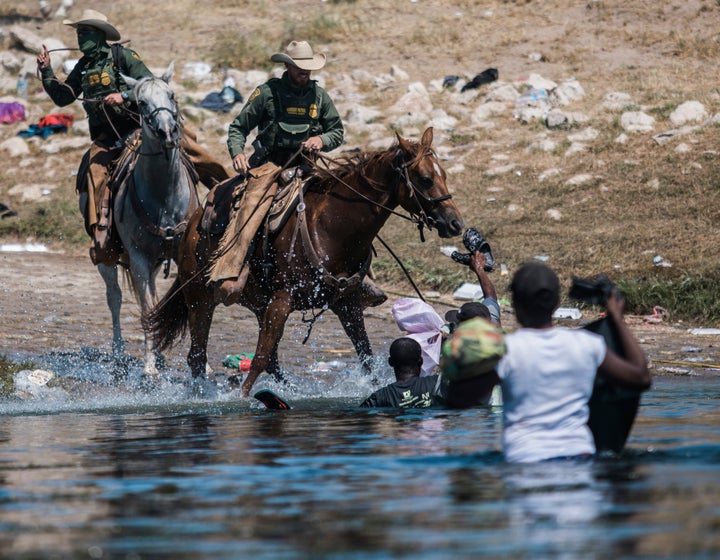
[272, 327]
[201, 308]
[143, 272]
[273, 366]
[351, 317]
[113, 294]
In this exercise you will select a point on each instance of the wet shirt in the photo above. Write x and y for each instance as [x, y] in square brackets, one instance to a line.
[418, 392]
[286, 115]
[94, 78]
[547, 377]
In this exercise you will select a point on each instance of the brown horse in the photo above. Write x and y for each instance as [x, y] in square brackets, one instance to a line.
[317, 259]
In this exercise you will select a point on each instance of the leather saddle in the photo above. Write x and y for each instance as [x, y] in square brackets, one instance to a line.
[227, 196]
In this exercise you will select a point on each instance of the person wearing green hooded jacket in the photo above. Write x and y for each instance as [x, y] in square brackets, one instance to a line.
[112, 116]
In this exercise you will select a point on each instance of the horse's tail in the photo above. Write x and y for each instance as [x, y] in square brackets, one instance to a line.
[168, 320]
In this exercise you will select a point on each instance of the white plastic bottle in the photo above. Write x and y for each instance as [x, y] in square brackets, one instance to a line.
[22, 86]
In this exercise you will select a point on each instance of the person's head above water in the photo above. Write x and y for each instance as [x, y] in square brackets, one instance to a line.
[405, 358]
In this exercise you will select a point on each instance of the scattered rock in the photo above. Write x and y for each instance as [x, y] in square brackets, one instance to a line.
[575, 148]
[617, 101]
[554, 214]
[57, 145]
[501, 169]
[637, 121]
[688, 112]
[487, 110]
[542, 145]
[32, 192]
[15, 147]
[552, 172]
[538, 82]
[587, 135]
[578, 180]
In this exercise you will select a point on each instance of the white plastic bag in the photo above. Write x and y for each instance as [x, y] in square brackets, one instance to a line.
[423, 325]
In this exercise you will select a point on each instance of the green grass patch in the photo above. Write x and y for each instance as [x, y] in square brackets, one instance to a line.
[232, 50]
[687, 299]
[57, 221]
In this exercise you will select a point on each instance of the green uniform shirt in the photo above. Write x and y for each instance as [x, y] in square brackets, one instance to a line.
[96, 78]
[286, 115]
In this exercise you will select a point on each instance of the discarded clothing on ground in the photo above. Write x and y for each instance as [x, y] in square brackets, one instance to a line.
[222, 101]
[484, 77]
[12, 112]
[5, 212]
[50, 124]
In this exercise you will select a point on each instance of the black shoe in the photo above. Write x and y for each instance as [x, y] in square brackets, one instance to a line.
[462, 258]
[474, 241]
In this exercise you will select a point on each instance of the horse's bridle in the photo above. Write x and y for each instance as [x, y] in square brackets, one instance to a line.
[151, 120]
[420, 217]
[399, 165]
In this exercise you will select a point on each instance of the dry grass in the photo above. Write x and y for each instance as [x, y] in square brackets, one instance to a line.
[644, 199]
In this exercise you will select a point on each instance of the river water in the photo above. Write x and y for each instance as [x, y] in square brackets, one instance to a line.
[94, 469]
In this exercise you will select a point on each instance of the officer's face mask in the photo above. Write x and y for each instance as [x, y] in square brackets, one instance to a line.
[90, 40]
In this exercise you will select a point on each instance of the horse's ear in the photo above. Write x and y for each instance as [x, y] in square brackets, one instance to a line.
[132, 82]
[169, 72]
[427, 138]
[404, 144]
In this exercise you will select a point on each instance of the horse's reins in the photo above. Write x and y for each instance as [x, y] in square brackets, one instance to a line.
[420, 219]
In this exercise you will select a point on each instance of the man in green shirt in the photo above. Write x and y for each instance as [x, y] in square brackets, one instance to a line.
[112, 116]
[289, 113]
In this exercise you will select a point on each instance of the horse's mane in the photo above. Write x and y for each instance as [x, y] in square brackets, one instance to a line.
[354, 164]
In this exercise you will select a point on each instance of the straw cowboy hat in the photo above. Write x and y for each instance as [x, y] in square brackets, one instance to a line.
[95, 19]
[300, 54]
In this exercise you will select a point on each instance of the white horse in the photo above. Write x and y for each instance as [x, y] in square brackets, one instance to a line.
[151, 207]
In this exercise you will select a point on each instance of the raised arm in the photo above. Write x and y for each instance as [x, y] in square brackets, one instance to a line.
[477, 264]
[631, 370]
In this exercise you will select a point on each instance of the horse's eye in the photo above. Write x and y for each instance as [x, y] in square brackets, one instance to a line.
[427, 181]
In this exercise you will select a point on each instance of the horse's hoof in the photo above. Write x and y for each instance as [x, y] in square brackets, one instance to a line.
[234, 381]
[160, 362]
[371, 295]
[149, 383]
[120, 368]
[118, 348]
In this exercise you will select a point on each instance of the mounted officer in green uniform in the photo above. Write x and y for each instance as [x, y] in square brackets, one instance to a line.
[289, 113]
[112, 116]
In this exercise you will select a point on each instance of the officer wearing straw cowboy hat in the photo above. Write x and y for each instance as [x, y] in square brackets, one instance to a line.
[111, 109]
[290, 112]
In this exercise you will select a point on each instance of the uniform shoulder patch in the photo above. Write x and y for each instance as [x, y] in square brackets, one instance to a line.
[253, 95]
[135, 55]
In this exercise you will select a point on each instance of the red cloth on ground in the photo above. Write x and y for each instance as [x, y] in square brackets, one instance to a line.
[57, 118]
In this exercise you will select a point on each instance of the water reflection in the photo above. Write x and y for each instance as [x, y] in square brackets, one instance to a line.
[222, 480]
